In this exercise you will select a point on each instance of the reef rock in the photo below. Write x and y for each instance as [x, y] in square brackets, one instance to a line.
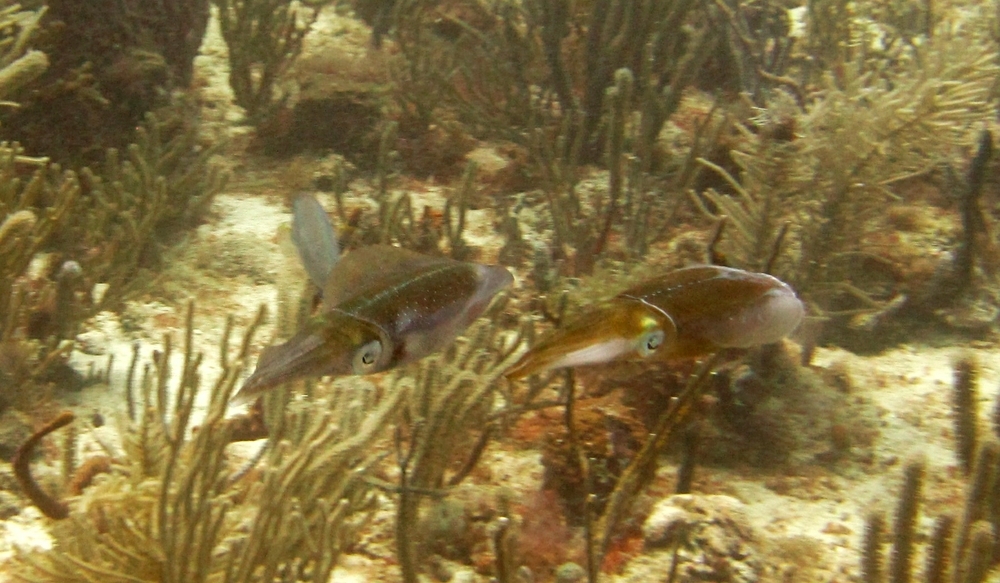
[711, 533]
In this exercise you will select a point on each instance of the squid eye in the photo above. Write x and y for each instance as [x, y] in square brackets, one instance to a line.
[366, 358]
[650, 342]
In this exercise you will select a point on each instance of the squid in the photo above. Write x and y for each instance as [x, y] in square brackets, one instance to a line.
[382, 306]
[686, 313]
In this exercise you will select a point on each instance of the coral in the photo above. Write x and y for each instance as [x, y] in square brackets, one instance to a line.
[264, 37]
[19, 64]
[393, 220]
[84, 476]
[880, 120]
[909, 124]
[606, 440]
[345, 121]
[564, 80]
[453, 228]
[904, 525]
[140, 201]
[690, 443]
[937, 552]
[643, 465]
[171, 512]
[543, 534]
[966, 410]
[47, 504]
[709, 537]
[32, 214]
[86, 238]
[110, 64]
[762, 196]
[448, 403]
[871, 555]
[446, 530]
[968, 557]
[829, 38]
[973, 222]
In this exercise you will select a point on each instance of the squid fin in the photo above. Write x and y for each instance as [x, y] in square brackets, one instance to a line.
[315, 238]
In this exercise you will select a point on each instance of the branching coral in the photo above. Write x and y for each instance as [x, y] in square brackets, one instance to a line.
[109, 64]
[571, 82]
[19, 65]
[962, 551]
[88, 239]
[875, 124]
[166, 182]
[171, 512]
[32, 215]
[264, 37]
[449, 401]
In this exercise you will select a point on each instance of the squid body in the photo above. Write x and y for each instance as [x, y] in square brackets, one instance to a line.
[689, 312]
[382, 306]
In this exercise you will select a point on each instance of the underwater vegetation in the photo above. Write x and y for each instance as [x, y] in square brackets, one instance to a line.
[173, 490]
[108, 65]
[962, 545]
[824, 148]
[78, 243]
[263, 37]
[174, 507]
[696, 154]
[74, 239]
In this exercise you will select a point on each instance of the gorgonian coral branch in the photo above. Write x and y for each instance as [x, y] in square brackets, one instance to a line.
[49, 506]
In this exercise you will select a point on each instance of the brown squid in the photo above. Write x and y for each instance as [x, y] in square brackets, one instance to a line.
[382, 306]
[689, 312]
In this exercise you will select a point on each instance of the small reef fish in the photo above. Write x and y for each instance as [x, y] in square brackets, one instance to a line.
[382, 306]
[686, 313]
